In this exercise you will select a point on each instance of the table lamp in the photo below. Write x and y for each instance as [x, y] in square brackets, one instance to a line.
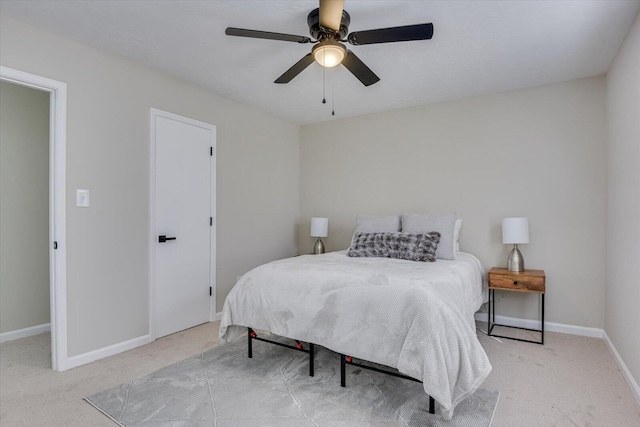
[515, 231]
[319, 228]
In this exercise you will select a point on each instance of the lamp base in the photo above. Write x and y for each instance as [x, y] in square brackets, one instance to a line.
[318, 248]
[515, 261]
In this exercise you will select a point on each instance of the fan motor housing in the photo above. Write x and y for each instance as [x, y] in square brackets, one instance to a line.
[319, 33]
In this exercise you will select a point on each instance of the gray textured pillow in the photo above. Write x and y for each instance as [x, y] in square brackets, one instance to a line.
[371, 224]
[412, 247]
[425, 223]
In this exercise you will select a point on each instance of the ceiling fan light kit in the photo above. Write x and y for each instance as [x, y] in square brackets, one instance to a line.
[329, 26]
[329, 53]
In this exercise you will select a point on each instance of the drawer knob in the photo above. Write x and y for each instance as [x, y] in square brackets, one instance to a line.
[515, 282]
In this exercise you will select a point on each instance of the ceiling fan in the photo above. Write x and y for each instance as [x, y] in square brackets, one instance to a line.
[329, 26]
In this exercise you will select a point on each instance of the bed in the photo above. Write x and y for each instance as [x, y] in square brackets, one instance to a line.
[416, 317]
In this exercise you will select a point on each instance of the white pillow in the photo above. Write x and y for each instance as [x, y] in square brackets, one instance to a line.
[456, 235]
[378, 224]
[426, 223]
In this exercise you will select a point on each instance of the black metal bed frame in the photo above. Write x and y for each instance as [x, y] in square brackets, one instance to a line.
[348, 360]
[252, 335]
[344, 361]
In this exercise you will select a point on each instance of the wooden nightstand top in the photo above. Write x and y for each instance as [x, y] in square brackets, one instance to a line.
[522, 281]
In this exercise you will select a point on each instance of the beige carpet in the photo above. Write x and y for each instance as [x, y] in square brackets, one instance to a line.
[568, 381]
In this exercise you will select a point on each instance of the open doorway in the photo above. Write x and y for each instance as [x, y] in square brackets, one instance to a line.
[24, 212]
[32, 198]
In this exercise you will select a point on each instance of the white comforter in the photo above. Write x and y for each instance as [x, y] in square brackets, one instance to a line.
[413, 316]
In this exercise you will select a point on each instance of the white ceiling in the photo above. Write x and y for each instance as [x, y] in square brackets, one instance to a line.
[478, 47]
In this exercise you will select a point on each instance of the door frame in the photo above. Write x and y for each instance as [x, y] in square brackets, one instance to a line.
[155, 113]
[57, 209]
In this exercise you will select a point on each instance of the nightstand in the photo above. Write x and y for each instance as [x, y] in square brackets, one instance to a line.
[532, 281]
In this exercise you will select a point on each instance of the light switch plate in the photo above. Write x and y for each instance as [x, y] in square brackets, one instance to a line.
[83, 198]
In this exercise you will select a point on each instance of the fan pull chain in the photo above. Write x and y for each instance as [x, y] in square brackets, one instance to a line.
[324, 81]
[333, 93]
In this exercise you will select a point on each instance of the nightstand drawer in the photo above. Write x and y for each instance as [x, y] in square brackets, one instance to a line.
[527, 281]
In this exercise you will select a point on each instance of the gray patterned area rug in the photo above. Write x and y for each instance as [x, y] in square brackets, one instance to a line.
[222, 387]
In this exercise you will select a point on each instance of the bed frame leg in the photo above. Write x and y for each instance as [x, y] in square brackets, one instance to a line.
[432, 405]
[343, 380]
[311, 367]
[250, 342]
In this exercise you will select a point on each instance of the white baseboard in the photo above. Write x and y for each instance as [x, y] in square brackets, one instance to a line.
[92, 356]
[548, 326]
[635, 390]
[101, 353]
[26, 332]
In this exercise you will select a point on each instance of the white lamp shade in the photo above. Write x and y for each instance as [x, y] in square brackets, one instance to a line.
[515, 230]
[319, 227]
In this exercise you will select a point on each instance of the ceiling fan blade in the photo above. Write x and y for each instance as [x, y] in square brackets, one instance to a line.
[359, 69]
[297, 68]
[331, 13]
[393, 34]
[241, 32]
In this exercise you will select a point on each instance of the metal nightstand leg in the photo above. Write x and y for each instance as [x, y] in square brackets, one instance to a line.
[491, 321]
[542, 324]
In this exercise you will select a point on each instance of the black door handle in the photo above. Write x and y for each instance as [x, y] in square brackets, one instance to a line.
[162, 238]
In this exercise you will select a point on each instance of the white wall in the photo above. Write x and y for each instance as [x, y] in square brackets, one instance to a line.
[108, 153]
[538, 153]
[622, 297]
[24, 207]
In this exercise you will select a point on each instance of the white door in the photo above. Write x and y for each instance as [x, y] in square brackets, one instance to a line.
[184, 220]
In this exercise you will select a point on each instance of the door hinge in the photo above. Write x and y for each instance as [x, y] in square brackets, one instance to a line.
[211, 221]
[211, 151]
[210, 290]
[55, 245]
